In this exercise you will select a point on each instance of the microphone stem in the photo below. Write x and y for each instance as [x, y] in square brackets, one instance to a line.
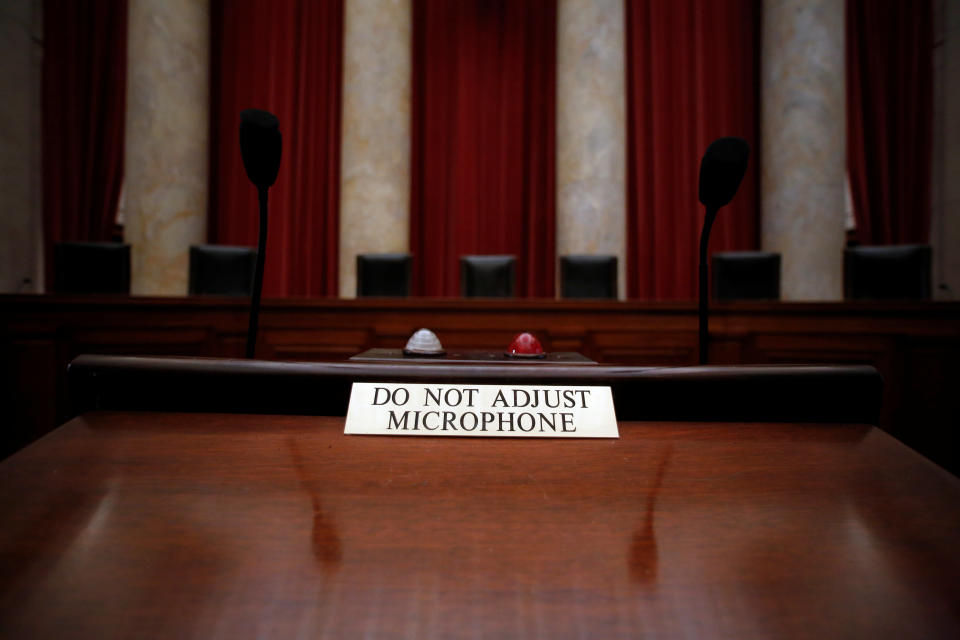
[704, 305]
[258, 274]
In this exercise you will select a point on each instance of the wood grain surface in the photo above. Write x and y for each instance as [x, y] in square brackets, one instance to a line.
[231, 526]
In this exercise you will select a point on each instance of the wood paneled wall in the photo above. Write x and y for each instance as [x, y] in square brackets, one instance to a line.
[915, 346]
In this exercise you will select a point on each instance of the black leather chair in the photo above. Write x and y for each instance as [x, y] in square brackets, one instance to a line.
[488, 276]
[892, 272]
[219, 270]
[745, 275]
[588, 276]
[91, 267]
[384, 275]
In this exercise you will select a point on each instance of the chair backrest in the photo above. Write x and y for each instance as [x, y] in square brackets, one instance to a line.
[745, 275]
[488, 276]
[588, 276]
[384, 275]
[899, 272]
[221, 270]
[91, 267]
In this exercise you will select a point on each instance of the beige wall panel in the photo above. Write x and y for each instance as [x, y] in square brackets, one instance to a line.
[165, 169]
[803, 148]
[375, 152]
[591, 130]
[21, 215]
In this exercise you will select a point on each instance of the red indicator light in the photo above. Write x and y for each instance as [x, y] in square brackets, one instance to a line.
[525, 345]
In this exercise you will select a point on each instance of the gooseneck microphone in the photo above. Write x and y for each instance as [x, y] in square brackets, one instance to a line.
[721, 172]
[260, 146]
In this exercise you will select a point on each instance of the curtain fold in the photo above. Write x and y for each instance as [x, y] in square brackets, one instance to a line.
[83, 103]
[889, 118]
[483, 136]
[284, 56]
[692, 77]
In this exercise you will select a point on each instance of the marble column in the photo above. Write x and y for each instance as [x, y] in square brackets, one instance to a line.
[375, 150]
[165, 171]
[21, 220]
[803, 148]
[591, 130]
[945, 188]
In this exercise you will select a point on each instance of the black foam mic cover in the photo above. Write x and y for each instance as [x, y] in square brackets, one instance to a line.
[260, 145]
[722, 170]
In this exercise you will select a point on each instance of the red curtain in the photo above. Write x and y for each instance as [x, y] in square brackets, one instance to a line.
[84, 96]
[889, 115]
[692, 77]
[284, 56]
[482, 163]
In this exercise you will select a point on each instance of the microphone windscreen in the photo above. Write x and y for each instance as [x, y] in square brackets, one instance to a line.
[260, 145]
[721, 171]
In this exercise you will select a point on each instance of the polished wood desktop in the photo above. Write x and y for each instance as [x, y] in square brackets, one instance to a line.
[125, 524]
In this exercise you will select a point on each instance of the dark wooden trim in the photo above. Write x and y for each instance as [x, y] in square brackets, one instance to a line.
[914, 345]
[39, 302]
[710, 393]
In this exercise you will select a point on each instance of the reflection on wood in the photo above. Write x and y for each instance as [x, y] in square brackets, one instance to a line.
[643, 550]
[325, 541]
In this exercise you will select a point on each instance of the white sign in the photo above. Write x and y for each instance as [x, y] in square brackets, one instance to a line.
[520, 411]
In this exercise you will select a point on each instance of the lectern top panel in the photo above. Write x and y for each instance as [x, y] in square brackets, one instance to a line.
[465, 356]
